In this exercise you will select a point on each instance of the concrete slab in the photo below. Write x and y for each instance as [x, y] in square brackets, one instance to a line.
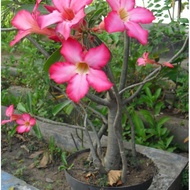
[10, 182]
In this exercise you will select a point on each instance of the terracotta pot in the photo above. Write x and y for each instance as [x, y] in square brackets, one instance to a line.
[78, 185]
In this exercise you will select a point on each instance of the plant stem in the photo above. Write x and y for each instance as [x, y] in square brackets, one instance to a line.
[37, 45]
[97, 99]
[134, 152]
[125, 62]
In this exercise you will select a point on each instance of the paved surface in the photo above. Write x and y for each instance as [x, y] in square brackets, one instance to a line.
[10, 182]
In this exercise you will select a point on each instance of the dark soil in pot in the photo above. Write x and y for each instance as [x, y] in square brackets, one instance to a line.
[82, 175]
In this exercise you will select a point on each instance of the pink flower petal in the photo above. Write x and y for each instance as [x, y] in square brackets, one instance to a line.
[78, 17]
[62, 72]
[78, 5]
[64, 28]
[19, 36]
[47, 20]
[98, 80]
[23, 20]
[20, 121]
[114, 4]
[50, 8]
[97, 57]
[5, 121]
[128, 5]
[77, 87]
[21, 128]
[36, 5]
[141, 61]
[61, 5]
[136, 31]
[27, 129]
[141, 15]
[167, 64]
[72, 51]
[145, 55]
[32, 121]
[15, 117]
[113, 23]
[9, 111]
[26, 117]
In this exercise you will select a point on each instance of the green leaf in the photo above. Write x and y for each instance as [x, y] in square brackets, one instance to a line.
[30, 7]
[37, 132]
[145, 100]
[21, 107]
[139, 126]
[148, 92]
[157, 93]
[163, 131]
[184, 20]
[169, 140]
[54, 57]
[95, 17]
[60, 106]
[29, 102]
[6, 2]
[64, 158]
[162, 121]
[12, 131]
[69, 109]
[148, 117]
[158, 107]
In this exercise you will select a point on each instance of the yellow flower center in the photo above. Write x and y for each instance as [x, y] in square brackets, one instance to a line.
[123, 14]
[27, 123]
[82, 68]
[68, 14]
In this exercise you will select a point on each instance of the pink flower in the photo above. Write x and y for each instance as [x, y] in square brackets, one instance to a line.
[10, 113]
[125, 17]
[26, 23]
[167, 64]
[81, 69]
[145, 59]
[66, 14]
[25, 123]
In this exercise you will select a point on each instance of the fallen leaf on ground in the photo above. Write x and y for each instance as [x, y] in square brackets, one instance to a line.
[36, 154]
[25, 148]
[46, 159]
[49, 180]
[114, 177]
[31, 166]
[20, 137]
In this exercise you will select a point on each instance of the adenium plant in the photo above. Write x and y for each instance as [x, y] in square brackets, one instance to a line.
[87, 63]
[24, 121]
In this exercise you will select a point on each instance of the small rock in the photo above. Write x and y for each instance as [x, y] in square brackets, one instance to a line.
[49, 180]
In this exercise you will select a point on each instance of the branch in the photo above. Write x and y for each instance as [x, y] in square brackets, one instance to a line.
[97, 99]
[97, 113]
[34, 42]
[96, 159]
[117, 127]
[125, 62]
[7, 29]
[58, 123]
[148, 78]
[37, 45]
[143, 82]
[180, 51]
[91, 125]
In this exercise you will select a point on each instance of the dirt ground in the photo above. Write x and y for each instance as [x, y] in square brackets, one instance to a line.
[28, 158]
